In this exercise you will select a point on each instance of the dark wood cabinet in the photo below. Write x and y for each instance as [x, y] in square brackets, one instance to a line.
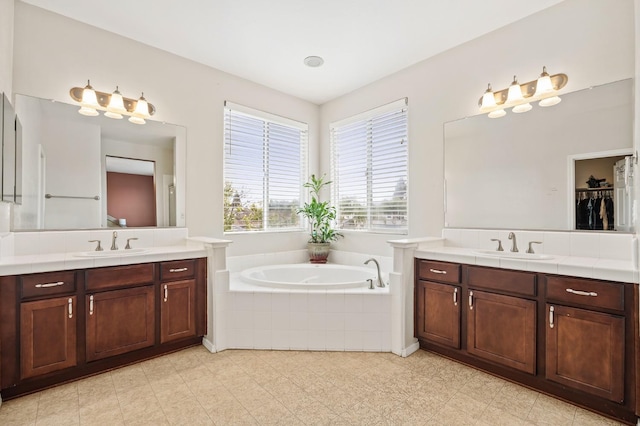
[47, 336]
[502, 329]
[63, 325]
[585, 351]
[575, 338]
[438, 313]
[178, 310]
[119, 321]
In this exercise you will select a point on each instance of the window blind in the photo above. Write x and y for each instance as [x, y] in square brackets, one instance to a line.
[369, 169]
[264, 169]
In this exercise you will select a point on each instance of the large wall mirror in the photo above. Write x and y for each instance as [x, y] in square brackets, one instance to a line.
[10, 148]
[95, 172]
[517, 172]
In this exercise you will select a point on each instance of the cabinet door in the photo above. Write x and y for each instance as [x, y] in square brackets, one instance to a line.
[119, 321]
[178, 310]
[502, 329]
[438, 313]
[585, 350]
[47, 336]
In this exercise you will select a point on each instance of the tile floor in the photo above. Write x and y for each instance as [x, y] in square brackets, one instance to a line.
[242, 387]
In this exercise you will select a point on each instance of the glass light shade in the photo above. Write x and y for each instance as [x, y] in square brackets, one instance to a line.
[497, 114]
[89, 98]
[142, 108]
[488, 100]
[136, 120]
[555, 100]
[522, 108]
[116, 104]
[112, 114]
[543, 85]
[91, 112]
[515, 92]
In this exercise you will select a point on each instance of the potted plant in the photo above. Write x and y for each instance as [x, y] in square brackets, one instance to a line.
[321, 216]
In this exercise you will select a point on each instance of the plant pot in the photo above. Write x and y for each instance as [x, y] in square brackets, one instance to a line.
[318, 252]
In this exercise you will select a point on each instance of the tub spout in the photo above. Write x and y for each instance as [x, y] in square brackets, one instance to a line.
[380, 282]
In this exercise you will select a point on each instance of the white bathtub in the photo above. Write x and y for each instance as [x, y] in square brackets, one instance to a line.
[305, 276]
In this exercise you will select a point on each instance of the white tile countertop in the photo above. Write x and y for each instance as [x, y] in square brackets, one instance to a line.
[588, 267]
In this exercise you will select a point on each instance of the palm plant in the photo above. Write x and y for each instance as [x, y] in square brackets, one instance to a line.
[321, 215]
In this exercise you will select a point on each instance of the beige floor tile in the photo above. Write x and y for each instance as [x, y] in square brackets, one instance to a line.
[20, 411]
[587, 418]
[66, 418]
[293, 388]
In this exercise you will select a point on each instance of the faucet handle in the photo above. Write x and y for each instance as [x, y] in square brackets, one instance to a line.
[128, 246]
[98, 247]
[370, 281]
[499, 244]
[530, 249]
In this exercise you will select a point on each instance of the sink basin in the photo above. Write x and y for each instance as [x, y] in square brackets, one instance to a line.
[510, 255]
[111, 253]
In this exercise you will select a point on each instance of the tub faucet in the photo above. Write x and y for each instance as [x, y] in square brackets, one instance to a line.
[514, 246]
[380, 282]
[114, 246]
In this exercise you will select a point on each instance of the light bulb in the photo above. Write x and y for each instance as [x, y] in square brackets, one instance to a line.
[543, 85]
[89, 98]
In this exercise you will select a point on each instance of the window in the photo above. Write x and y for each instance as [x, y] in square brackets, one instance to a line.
[369, 169]
[264, 169]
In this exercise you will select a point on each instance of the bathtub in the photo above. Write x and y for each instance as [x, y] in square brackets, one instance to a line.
[306, 276]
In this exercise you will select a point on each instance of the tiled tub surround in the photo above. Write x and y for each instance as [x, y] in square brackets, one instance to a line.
[255, 317]
[606, 256]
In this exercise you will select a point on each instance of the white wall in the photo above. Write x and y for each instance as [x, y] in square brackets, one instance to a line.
[6, 46]
[591, 41]
[53, 54]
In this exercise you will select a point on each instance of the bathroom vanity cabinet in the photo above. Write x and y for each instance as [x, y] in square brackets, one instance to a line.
[570, 337]
[58, 326]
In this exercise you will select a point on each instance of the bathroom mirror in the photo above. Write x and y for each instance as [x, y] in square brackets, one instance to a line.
[515, 172]
[65, 182]
[9, 144]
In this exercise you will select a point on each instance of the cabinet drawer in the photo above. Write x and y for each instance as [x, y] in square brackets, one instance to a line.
[584, 292]
[516, 282]
[119, 276]
[47, 284]
[439, 271]
[177, 270]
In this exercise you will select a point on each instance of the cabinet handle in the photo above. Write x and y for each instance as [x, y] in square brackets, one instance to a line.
[166, 293]
[179, 270]
[471, 300]
[70, 308]
[551, 309]
[438, 271]
[90, 305]
[47, 285]
[582, 293]
[455, 297]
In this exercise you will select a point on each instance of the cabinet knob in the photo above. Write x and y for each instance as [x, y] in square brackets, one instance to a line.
[455, 296]
[551, 309]
[90, 305]
[70, 308]
[179, 270]
[166, 293]
[471, 300]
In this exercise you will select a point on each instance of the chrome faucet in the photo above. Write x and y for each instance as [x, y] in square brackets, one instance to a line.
[114, 246]
[514, 246]
[380, 282]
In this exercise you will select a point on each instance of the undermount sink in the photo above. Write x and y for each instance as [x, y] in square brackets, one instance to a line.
[511, 255]
[111, 253]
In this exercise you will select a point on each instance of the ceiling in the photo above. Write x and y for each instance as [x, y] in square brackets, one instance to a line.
[266, 42]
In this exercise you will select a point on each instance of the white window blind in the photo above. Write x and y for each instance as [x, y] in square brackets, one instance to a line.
[369, 169]
[264, 169]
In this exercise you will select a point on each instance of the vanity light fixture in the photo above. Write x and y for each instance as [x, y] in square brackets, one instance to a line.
[114, 104]
[519, 96]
